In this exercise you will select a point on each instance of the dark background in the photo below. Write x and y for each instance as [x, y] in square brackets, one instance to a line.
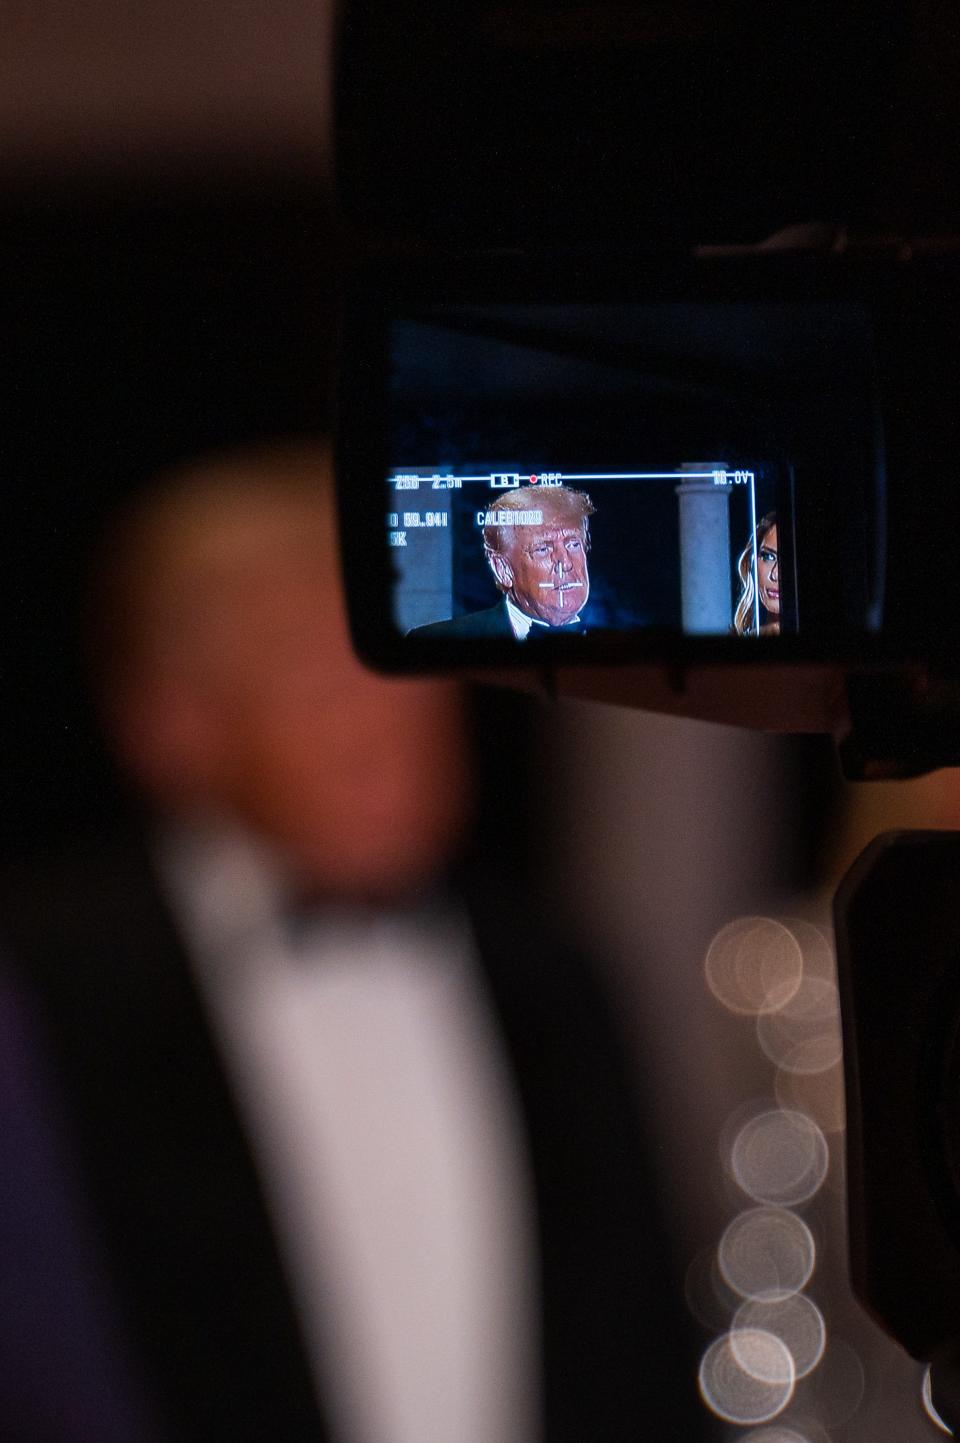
[139, 329]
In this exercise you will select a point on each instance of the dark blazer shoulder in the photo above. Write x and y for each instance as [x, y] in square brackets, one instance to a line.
[168, 1165]
[493, 621]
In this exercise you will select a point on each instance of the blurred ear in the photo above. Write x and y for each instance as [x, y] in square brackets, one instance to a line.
[169, 738]
[502, 570]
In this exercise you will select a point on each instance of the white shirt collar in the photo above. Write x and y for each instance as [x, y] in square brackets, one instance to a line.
[232, 891]
[522, 624]
[225, 884]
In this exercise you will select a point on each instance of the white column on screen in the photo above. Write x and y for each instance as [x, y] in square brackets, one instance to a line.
[705, 580]
[425, 565]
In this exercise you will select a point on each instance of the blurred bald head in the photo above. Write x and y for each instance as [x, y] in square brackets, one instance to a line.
[231, 690]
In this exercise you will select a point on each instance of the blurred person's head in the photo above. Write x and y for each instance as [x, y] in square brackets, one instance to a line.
[230, 689]
[542, 567]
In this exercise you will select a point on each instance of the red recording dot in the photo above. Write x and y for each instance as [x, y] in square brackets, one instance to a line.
[533, 480]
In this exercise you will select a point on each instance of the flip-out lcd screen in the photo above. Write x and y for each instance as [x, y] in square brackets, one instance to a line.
[561, 469]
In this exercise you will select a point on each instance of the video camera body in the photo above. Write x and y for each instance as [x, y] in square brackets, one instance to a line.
[597, 432]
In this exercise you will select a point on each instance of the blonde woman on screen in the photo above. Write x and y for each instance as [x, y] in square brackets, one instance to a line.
[761, 546]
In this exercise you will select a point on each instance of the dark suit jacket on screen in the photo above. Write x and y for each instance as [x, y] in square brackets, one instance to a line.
[494, 621]
[180, 1210]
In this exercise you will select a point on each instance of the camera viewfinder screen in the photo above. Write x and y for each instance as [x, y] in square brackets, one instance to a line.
[560, 469]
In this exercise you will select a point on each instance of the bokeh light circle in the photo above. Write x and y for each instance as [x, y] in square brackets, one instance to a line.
[835, 1391]
[819, 1094]
[929, 1407]
[794, 1428]
[708, 1295]
[767, 1253]
[762, 1355]
[747, 1377]
[754, 965]
[780, 1157]
[816, 946]
[796, 1321]
[776, 1434]
[804, 1034]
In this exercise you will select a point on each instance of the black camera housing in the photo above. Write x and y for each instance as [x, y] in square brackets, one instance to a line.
[484, 124]
[898, 954]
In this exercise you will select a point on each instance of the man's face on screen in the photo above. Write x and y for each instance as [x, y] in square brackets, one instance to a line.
[548, 566]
